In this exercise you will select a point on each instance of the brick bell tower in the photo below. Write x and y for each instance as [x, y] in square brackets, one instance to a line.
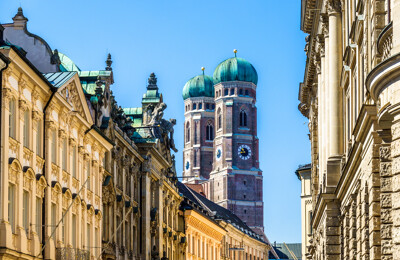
[198, 95]
[236, 179]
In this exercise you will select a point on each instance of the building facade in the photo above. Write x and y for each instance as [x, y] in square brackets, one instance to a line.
[214, 233]
[350, 96]
[51, 159]
[221, 143]
[304, 175]
[82, 178]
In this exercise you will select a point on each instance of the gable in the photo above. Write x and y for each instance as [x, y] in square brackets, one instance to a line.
[70, 89]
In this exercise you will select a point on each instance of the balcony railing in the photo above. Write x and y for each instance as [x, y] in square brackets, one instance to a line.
[72, 254]
[384, 41]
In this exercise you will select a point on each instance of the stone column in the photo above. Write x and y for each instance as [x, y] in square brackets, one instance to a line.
[5, 228]
[159, 204]
[145, 200]
[49, 252]
[335, 95]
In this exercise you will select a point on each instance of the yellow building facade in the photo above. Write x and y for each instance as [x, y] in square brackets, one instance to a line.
[214, 233]
[51, 165]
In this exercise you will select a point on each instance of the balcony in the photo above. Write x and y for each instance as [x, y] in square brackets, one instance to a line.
[72, 254]
[384, 42]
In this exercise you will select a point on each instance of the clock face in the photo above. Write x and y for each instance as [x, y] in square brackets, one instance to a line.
[244, 152]
[187, 165]
[218, 154]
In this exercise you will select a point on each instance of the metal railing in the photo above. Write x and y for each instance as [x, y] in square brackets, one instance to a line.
[72, 254]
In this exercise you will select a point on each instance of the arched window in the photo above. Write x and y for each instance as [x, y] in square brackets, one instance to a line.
[187, 132]
[232, 91]
[194, 106]
[226, 91]
[219, 118]
[26, 129]
[12, 118]
[246, 92]
[209, 132]
[243, 118]
[240, 91]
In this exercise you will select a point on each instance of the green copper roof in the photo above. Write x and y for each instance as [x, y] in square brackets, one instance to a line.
[67, 64]
[89, 87]
[57, 79]
[235, 69]
[199, 86]
[132, 111]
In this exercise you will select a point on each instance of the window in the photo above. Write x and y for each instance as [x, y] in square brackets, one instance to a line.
[11, 206]
[88, 245]
[96, 237]
[53, 217]
[226, 92]
[63, 227]
[88, 174]
[64, 154]
[26, 129]
[240, 91]
[207, 106]
[232, 91]
[245, 211]
[194, 106]
[212, 106]
[73, 166]
[53, 147]
[12, 118]
[39, 138]
[219, 118]
[74, 227]
[243, 118]
[209, 132]
[244, 182]
[187, 132]
[38, 220]
[201, 106]
[25, 211]
[246, 92]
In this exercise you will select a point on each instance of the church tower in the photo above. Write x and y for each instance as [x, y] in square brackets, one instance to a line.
[198, 95]
[236, 180]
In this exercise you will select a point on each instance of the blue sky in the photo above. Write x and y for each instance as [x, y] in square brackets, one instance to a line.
[175, 39]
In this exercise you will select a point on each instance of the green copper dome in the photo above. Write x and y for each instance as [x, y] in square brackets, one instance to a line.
[235, 69]
[199, 86]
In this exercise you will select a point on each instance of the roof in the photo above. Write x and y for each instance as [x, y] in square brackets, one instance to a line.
[303, 167]
[197, 188]
[199, 86]
[133, 111]
[287, 251]
[217, 211]
[66, 63]
[235, 69]
[57, 79]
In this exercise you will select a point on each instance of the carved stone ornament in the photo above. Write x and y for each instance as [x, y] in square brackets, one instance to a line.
[384, 153]
[334, 6]
[36, 116]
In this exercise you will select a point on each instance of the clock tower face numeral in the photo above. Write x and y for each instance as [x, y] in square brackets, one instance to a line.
[218, 153]
[244, 152]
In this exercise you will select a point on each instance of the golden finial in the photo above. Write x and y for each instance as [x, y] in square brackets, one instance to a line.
[235, 51]
[202, 68]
